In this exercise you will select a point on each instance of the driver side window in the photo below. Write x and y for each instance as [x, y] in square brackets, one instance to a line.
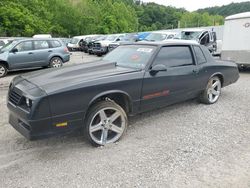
[174, 56]
[24, 46]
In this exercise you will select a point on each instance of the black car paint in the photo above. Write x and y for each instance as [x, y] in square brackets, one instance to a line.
[63, 96]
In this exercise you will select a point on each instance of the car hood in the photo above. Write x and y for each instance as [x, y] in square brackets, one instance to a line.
[58, 79]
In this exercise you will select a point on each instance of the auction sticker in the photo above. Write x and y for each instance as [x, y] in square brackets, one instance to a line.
[146, 50]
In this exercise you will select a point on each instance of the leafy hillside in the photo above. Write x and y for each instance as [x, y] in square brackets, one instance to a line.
[227, 10]
[79, 17]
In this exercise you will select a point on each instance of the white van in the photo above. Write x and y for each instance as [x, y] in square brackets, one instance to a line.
[42, 36]
[236, 39]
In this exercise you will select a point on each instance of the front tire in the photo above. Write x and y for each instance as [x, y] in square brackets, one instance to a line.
[3, 70]
[212, 92]
[56, 62]
[106, 122]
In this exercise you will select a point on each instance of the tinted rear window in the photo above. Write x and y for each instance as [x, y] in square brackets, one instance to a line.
[199, 55]
[55, 44]
[41, 44]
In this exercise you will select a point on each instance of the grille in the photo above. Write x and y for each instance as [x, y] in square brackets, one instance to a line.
[14, 97]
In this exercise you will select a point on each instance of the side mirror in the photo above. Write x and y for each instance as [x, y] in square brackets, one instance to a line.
[14, 50]
[158, 68]
[118, 39]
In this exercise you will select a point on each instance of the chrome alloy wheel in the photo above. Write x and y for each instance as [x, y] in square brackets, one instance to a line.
[214, 90]
[107, 126]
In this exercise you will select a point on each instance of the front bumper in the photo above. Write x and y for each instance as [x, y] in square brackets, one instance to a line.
[30, 129]
[37, 122]
[42, 128]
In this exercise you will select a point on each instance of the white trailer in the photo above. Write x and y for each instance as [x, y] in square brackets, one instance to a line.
[236, 39]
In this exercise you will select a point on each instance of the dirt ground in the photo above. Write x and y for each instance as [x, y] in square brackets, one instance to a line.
[184, 145]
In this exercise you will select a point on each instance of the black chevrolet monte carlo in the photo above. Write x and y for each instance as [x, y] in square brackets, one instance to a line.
[98, 97]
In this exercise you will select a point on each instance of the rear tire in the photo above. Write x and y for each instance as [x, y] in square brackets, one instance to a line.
[212, 92]
[56, 62]
[105, 123]
[3, 70]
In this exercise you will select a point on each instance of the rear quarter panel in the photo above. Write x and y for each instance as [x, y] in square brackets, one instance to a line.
[226, 70]
[59, 52]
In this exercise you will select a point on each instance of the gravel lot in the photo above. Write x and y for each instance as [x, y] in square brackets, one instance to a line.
[184, 145]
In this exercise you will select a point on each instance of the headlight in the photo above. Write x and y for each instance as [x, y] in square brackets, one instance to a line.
[28, 102]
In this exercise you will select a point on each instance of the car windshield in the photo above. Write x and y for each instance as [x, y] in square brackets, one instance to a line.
[129, 37]
[74, 41]
[133, 56]
[8, 46]
[190, 35]
[156, 37]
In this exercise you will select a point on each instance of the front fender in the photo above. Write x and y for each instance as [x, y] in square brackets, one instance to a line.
[110, 92]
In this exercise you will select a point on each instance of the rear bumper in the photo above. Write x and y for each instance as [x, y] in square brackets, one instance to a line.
[66, 58]
[100, 50]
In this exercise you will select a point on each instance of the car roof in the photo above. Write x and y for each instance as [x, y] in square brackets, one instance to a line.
[167, 42]
[34, 39]
[192, 29]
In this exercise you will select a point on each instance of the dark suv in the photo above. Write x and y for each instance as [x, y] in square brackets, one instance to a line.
[31, 53]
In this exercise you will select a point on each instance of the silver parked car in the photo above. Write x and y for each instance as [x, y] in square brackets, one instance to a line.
[31, 53]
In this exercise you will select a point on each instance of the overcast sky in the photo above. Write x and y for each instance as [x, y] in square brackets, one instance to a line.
[192, 5]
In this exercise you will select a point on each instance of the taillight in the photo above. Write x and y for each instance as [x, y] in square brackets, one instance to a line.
[66, 50]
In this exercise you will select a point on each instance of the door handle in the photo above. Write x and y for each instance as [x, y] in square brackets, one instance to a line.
[30, 53]
[50, 51]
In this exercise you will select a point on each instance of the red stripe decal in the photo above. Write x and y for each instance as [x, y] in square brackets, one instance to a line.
[158, 94]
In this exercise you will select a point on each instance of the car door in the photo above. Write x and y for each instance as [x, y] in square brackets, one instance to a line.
[42, 52]
[22, 55]
[176, 83]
